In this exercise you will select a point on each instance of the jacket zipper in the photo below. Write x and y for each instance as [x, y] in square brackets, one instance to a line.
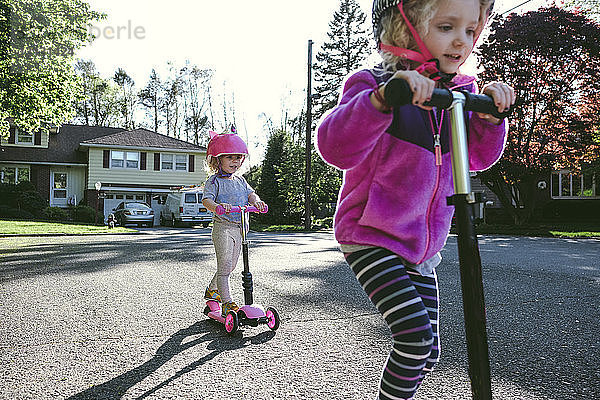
[437, 185]
[438, 164]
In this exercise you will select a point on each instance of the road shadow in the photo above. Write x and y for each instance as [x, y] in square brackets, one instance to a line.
[200, 332]
[80, 255]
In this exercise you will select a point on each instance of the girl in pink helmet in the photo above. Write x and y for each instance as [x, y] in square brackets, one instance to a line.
[225, 155]
[392, 219]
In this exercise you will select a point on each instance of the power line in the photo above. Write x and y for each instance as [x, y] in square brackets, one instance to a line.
[515, 7]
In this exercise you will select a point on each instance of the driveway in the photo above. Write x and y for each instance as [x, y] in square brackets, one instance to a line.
[120, 317]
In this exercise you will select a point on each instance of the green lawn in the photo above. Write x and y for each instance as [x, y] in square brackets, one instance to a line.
[558, 230]
[545, 230]
[35, 228]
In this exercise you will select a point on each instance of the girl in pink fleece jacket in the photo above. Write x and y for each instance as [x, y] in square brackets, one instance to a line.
[392, 219]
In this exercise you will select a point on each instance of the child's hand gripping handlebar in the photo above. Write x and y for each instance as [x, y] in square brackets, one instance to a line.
[220, 210]
[397, 93]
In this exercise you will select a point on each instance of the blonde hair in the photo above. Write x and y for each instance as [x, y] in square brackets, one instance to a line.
[394, 31]
[211, 165]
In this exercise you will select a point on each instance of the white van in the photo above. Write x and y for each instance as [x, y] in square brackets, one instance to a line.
[184, 206]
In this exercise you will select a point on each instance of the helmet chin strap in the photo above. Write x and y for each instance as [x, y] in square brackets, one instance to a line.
[427, 64]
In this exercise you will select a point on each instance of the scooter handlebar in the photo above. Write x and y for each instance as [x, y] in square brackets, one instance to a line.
[398, 93]
[220, 210]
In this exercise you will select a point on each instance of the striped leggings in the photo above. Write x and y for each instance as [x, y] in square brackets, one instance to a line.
[409, 305]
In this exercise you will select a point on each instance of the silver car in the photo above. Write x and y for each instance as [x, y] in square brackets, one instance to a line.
[134, 213]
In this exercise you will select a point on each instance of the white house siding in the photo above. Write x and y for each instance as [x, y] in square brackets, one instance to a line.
[76, 187]
[73, 193]
[126, 177]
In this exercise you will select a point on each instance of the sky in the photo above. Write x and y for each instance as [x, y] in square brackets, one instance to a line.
[257, 49]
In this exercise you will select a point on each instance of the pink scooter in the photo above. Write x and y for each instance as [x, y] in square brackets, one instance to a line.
[249, 314]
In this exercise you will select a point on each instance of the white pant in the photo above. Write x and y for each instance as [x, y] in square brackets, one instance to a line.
[227, 240]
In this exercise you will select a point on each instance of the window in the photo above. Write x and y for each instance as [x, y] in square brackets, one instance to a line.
[565, 184]
[24, 137]
[14, 175]
[116, 159]
[190, 198]
[133, 160]
[124, 159]
[60, 185]
[174, 162]
[181, 162]
[140, 197]
[166, 161]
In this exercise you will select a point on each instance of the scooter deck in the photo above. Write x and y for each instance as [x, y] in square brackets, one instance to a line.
[250, 312]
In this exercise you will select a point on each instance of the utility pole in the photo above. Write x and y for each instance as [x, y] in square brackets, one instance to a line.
[307, 220]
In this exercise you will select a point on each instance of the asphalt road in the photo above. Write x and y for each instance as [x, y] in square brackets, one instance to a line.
[120, 317]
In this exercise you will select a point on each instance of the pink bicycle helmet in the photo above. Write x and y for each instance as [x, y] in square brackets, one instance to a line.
[225, 143]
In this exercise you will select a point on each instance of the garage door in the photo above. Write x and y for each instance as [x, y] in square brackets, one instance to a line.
[113, 199]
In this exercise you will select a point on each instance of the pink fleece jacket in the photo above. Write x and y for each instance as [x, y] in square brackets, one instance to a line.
[393, 195]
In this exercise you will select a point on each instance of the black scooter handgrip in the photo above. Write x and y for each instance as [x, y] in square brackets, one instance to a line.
[397, 93]
[484, 104]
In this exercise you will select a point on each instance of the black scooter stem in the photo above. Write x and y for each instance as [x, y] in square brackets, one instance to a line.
[397, 93]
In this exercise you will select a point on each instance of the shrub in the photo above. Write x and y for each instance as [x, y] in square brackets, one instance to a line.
[22, 197]
[83, 213]
[8, 195]
[55, 214]
[13, 213]
[32, 202]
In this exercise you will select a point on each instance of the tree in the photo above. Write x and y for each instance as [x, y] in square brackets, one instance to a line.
[37, 41]
[196, 83]
[591, 8]
[273, 178]
[552, 59]
[149, 97]
[171, 102]
[345, 51]
[127, 98]
[86, 70]
[97, 104]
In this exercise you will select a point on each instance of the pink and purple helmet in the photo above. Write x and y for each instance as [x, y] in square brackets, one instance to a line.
[225, 143]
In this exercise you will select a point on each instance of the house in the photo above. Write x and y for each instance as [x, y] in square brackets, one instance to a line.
[561, 196]
[67, 163]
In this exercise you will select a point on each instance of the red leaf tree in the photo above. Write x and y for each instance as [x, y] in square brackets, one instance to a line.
[552, 59]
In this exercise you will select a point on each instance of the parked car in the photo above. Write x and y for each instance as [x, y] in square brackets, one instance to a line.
[134, 213]
[184, 206]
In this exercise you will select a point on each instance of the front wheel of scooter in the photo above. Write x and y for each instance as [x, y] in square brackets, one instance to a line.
[273, 320]
[231, 323]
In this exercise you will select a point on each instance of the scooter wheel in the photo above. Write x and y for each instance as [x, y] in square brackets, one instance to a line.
[231, 323]
[273, 318]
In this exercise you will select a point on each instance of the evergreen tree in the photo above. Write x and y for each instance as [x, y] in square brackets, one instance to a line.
[270, 187]
[345, 51]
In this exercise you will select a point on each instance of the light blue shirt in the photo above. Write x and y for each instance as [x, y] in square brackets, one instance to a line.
[234, 190]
